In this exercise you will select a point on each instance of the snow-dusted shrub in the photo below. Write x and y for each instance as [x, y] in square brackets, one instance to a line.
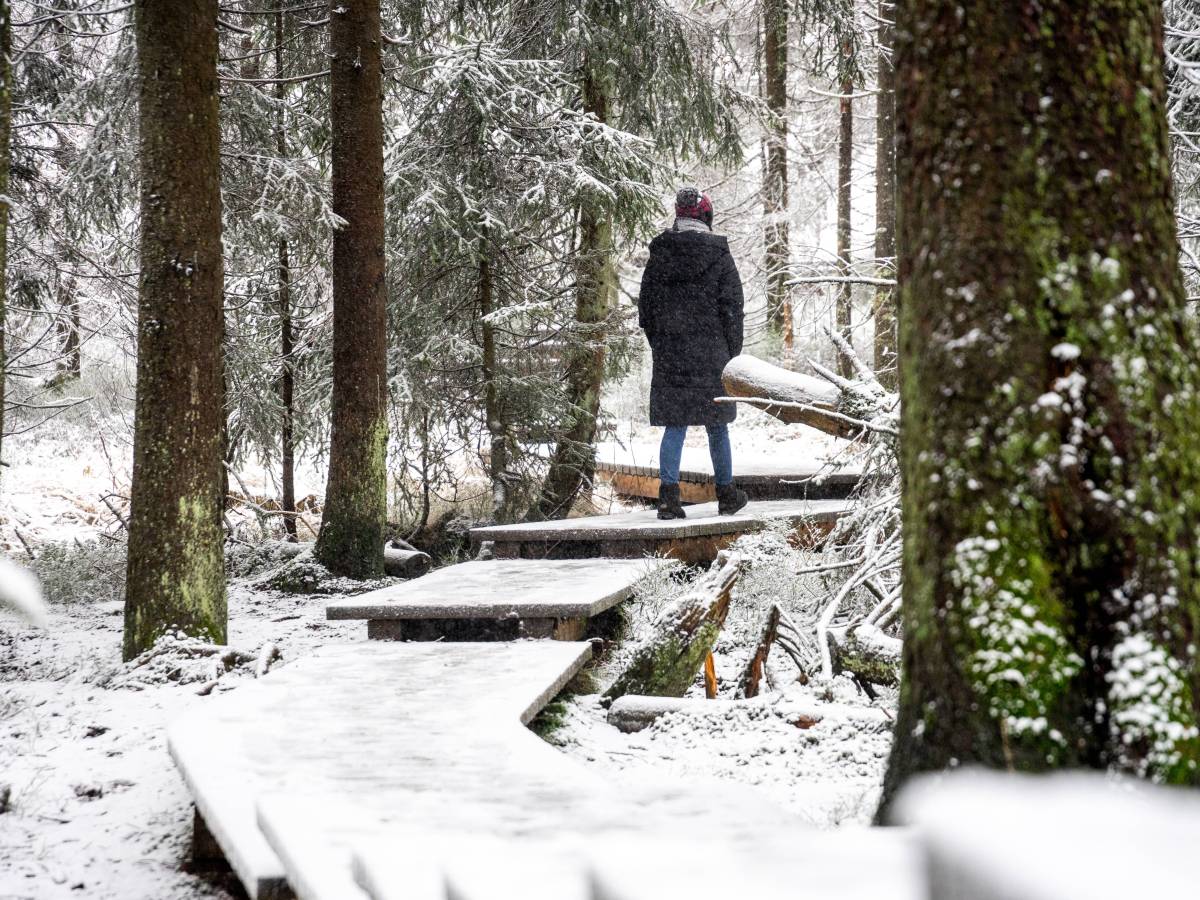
[79, 572]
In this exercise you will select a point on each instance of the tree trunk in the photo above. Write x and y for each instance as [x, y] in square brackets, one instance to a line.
[352, 531]
[287, 395]
[885, 200]
[845, 304]
[176, 578]
[756, 666]
[573, 462]
[287, 373]
[5, 159]
[493, 402]
[71, 364]
[1050, 396]
[775, 180]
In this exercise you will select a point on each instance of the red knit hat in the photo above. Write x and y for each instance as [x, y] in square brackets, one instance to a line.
[690, 203]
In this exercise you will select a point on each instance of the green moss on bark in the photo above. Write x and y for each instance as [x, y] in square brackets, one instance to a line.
[176, 578]
[1050, 457]
[352, 527]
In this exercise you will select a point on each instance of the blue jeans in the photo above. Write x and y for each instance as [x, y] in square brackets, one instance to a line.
[671, 451]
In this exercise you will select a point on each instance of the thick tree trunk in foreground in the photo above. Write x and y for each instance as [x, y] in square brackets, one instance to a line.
[845, 297]
[176, 577]
[1050, 396]
[573, 462]
[884, 307]
[352, 531]
[775, 180]
[5, 153]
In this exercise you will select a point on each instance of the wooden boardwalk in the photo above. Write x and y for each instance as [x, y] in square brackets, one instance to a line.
[694, 540]
[633, 471]
[497, 600]
[403, 770]
[360, 741]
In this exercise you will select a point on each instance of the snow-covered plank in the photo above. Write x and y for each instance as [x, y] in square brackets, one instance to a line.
[847, 864]
[992, 836]
[495, 785]
[401, 732]
[498, 589]
[644, 524]
[473, 868]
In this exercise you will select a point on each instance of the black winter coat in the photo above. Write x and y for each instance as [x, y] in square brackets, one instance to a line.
[691, 310]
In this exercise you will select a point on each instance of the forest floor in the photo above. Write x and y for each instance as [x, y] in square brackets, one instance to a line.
[96, 807]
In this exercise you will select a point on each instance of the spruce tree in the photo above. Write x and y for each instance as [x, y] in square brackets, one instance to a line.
[884, 307]
[176, 578]
[5, 135]
[646, 69]
[352, 531]
[775, 14]
[1050, 396]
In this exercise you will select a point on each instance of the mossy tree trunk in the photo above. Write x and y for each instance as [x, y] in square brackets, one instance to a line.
[1049, 383]
[176, 578]
[5, 152]
[573, 462]
[775, 176]
[845, 296]
[884, 310]
[352, 531]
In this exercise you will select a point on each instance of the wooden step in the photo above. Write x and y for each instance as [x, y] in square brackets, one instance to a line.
[634, 472]
[388, 741]
[430, 733]
[504, 599]
[694, 540]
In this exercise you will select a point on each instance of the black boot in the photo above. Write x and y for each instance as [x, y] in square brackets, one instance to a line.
[669, 506]
[730, 498]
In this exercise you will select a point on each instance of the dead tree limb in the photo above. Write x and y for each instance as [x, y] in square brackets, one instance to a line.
[634, 712]
[401, 563]
[666, 664]
[752, 677]
[866, 651]
[808, 400]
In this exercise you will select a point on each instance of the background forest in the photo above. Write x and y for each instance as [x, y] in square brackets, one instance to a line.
[504, 125]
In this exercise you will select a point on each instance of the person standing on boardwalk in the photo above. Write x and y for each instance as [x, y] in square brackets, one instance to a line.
[690, 307]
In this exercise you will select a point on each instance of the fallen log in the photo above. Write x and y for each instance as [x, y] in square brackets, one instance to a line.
[801, 399]
[751, 678]
[866, 651]
[666, 664]
[634, 712]
[404, 562]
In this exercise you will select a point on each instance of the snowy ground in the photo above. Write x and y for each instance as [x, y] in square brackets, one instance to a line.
[99, 811]
[828, 773]
[95, 807]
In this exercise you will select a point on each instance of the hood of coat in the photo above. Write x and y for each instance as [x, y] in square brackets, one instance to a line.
[685, 254]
